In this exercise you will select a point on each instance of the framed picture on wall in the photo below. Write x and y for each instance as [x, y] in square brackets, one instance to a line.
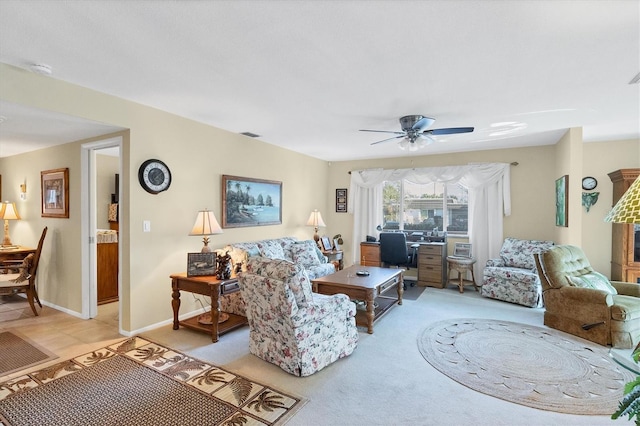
[562, 205]
[55, 193]
[341, 200]
[250, 202]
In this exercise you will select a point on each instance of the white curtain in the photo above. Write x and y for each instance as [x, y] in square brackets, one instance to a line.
[489, 199]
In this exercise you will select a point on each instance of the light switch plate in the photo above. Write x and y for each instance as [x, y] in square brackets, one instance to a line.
[146, 226]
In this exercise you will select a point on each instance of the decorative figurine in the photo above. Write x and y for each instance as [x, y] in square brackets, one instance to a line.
[223, 271]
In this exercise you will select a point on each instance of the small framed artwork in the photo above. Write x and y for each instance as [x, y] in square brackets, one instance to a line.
[201, 264]
[250, 202]
[55, 193]
[341, 200]
[326, 244]
[462, 250]
[562, 205]
[336, 244]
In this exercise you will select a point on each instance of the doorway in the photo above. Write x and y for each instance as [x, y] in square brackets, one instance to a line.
[98, 216]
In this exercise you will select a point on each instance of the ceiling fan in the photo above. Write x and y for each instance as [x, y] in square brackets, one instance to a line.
[414, 135]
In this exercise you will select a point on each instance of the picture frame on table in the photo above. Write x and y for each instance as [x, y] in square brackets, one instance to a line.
[201, 264]
[326, 244]
[250, 202]
[341, 200]
[562, 198]
[55, 193]
[336, 244]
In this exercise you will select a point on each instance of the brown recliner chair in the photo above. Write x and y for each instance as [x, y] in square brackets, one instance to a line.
[582, 302]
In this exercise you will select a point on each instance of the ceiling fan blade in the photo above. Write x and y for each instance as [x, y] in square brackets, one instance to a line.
[382, 131]
[449, 131]
[423, 123]
[389, 139]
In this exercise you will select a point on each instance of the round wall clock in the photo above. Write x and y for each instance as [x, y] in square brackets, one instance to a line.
[154, 176]
[589, 183]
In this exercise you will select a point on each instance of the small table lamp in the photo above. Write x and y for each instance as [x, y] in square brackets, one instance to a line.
[626, 210]
[8, 212]
[206, 224]
[315, 220]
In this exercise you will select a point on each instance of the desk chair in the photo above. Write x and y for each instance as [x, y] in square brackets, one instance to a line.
[394, 251]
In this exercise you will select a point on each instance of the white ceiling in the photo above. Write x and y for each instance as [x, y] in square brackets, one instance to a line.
[307, 75]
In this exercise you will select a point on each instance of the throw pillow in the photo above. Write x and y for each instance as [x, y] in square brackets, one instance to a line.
[271, 249]
[593, 280]
[253, 252]
[304, 255]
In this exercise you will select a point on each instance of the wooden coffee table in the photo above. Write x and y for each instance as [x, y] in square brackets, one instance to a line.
[371, 289]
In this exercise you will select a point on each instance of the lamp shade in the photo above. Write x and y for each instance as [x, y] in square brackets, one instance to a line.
[627, 209]
[206, 224]
[8, 211]
[315, 219]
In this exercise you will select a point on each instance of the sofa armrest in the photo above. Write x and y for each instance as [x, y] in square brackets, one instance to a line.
[495, 262]
[627, 289]
[585, 295]
[337, 306]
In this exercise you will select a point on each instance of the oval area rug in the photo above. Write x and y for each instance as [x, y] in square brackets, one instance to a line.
[533, 366]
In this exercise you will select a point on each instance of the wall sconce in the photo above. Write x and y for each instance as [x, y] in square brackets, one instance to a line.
[23, 191]
[589, 199]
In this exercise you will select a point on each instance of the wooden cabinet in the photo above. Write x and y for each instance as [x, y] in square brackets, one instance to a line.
[107, 272]
[432, 269]
[625, 243]
[370, 254]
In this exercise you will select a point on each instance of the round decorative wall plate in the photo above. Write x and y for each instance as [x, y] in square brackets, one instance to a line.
[154, 176]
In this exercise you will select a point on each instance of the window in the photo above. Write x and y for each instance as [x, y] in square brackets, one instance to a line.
[424, 207]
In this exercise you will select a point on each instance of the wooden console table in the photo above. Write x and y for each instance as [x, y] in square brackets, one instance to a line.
[207, 286]
[16, 253]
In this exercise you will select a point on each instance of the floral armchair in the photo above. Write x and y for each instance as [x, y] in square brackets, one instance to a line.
[513, 277]
[300, 331]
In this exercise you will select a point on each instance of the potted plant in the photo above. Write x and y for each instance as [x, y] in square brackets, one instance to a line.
[630, 404]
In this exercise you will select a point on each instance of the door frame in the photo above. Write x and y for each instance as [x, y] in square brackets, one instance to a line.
[88, 227]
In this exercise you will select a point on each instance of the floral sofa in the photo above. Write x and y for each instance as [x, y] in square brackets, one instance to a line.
[289, 326]
[513, 276]
[303, 252]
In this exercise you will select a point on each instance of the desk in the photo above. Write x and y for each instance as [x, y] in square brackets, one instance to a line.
[207, 286]
[16, 253]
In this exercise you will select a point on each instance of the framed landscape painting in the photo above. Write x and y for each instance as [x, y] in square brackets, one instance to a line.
[55, 193]
[562, 206]
[250, 202]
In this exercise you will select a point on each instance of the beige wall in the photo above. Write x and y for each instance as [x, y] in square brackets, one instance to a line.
[199, 154]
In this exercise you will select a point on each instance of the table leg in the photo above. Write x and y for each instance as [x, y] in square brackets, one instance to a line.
[474, 279]
[175, 303]
[400, 290]
[215, 312]
[370, 310]
[460, 281]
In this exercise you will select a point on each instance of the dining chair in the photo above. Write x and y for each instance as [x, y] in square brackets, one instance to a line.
[21, 278]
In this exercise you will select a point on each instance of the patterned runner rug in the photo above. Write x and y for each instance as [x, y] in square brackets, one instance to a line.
[19, 353]
[537, 367]
[138, 382]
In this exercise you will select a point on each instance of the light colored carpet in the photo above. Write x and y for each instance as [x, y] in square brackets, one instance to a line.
[138, 382]
[19, 353]
[532, 366]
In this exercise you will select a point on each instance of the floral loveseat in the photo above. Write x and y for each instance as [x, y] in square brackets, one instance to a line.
[513, 277]
[289, 326]
[303, 252]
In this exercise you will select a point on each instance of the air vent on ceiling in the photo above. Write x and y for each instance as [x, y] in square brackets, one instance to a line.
[251, 135]
[636, 79]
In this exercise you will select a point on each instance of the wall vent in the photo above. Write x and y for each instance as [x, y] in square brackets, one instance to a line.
[251, 135]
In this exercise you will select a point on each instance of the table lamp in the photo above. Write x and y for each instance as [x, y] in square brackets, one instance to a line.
[206, 224]
[315, 220]
[8, 212]
[626, 210]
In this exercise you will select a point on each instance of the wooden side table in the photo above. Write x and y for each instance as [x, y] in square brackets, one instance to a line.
[462, 265]
[207, 286]
[336, 257]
